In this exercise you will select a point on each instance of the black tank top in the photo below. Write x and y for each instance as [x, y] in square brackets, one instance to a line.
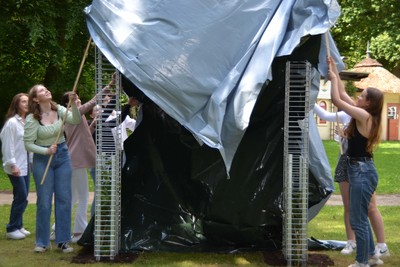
[358, 146]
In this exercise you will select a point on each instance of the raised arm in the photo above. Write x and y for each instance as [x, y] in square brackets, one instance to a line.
[331, 116]
[341, 99]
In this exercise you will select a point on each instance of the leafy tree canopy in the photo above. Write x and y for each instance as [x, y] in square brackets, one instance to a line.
[374, 21]
[43, 42]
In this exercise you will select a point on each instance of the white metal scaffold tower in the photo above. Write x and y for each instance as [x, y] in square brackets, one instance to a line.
[296, 157]
[108, 161]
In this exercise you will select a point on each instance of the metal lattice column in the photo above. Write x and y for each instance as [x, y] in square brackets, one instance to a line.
[108, 164]
[296, 157]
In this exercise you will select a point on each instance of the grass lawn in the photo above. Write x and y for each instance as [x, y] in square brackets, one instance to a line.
[387, 161]
[326, 226]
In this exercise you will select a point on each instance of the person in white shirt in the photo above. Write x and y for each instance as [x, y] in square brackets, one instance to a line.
[16, 163]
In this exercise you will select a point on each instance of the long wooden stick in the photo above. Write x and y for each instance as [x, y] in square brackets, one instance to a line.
[68, 106]
[340, 137]
[328, 50]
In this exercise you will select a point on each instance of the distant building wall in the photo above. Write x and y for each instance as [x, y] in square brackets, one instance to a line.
[390, 115]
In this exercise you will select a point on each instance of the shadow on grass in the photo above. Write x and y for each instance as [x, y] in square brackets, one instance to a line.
[277, 259]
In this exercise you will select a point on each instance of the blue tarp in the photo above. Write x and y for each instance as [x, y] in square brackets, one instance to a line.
[217, 69]
[204, 62]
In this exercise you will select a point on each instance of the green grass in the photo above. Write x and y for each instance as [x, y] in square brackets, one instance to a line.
[5, 185]
[327, 225]
[387, 162]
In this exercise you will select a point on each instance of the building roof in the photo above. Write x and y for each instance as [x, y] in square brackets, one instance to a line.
[378, 76]
[347, 75]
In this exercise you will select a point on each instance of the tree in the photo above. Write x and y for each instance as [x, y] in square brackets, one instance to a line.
[374, 21]
[43, 42]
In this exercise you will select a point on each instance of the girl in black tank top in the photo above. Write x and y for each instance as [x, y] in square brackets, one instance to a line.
[358, 146]
[363, 178]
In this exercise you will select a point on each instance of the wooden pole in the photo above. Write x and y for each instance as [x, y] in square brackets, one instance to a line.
[68, 106]
[340, 137]
[328, 50]
[337, 127]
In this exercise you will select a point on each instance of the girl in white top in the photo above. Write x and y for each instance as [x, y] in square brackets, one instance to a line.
[16, 163]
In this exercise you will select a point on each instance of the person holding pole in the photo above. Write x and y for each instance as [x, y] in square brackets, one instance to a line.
[363, 135]
[374, 214]
[42, 137]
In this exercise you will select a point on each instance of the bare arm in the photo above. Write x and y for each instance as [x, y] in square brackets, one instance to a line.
[342, 91]
[341, 100]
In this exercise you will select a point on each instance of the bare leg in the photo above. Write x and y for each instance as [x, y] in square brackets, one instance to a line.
[344, 190]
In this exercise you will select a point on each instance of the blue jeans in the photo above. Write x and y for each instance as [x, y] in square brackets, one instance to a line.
[363, 180]
[20, 201]
[57, 181]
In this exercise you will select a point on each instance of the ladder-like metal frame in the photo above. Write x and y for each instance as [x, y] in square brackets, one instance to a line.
[296, 157]
[107, 223]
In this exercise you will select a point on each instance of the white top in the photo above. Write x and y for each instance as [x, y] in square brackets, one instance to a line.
[13, 148]
[128, 123]
[343, 117]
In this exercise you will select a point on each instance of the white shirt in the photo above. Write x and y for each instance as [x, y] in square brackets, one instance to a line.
[128, 123]
[343, 117]
[13, 148]
[340, 116]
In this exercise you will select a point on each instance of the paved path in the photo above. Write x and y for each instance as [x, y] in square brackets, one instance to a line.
[334, 200]
[7, 197]
[382, 200]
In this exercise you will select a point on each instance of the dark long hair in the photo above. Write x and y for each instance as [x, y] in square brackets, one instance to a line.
[65, 98]
[34, 107]
[13, 108]
[375, 98]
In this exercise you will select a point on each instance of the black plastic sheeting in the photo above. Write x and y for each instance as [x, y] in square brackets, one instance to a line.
[176, 195]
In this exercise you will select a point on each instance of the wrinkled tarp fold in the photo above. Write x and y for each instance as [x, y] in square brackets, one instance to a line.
[204, 62]
[217, 69]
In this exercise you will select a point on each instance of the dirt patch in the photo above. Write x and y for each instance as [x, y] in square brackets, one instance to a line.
[277, 259]
[85, 256]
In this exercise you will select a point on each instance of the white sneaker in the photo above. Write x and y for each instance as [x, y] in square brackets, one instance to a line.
[375, 260]
[39, 249]
[382, 251]
[357, 264]
[75, 238]
[24, 231]
[15, 235]
[65, 248]
[349, 248]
